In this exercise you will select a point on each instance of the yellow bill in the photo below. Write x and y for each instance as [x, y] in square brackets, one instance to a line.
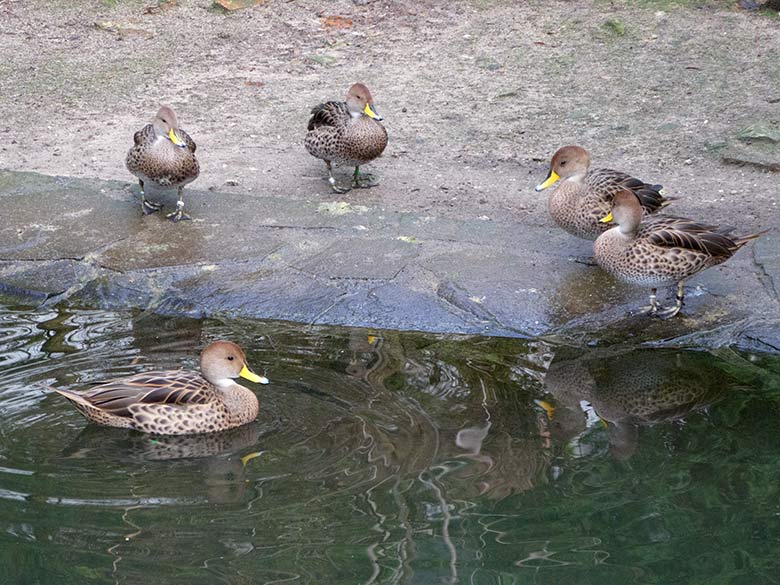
[247, 458]
[175, 139]
[606, 219]
[551, 178]
[547, 407]
[251, 376]
[371, 112]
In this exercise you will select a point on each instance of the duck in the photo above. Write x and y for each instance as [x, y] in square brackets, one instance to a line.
[347, 133]
[163, 154]
[176, 402]
[662, 251]
[585, 195]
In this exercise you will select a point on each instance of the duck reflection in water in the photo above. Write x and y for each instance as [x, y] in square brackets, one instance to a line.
[624, 391]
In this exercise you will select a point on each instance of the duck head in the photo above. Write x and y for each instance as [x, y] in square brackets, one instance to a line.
[568, 161]
[222, 361]
[626, 212]
[165, 124]
[359, 101]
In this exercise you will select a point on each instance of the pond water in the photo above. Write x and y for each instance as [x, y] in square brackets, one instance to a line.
[386, 457]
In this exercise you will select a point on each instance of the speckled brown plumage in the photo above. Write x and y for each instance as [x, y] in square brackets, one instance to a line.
[156, 158]
[336, 136]
[661, 251]
[160, 161]
[585, 195]
[346, 133]
[176, 402]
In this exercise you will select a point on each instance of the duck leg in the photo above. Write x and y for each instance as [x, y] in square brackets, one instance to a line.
[332, 181]
[179, 214]
[672, 311]
[147, 206]
[652, 308]
[363, 180]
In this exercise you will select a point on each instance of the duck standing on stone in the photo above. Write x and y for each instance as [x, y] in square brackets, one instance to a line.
[347, 133]
[585, 195]
[163, 154]
[176, 402]
[661, 251]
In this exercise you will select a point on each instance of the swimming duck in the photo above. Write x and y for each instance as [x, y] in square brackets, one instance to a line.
[177, 402]
[662, 251]
[165, 155]
[585, 195]
[347, 133]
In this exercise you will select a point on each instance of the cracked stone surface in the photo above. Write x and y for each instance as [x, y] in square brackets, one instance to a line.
[331, 262]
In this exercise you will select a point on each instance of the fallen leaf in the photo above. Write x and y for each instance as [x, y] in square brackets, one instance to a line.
[336, 21]
[236, 4]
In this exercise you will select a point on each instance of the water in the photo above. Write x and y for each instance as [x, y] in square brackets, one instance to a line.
[384, 457]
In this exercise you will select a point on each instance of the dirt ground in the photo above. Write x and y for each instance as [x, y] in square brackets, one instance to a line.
[476, 94]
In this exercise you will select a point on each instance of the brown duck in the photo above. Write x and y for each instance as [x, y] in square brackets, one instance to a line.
[177, 402]
[585, 195]
[163, 154]
[347, 133]
[661, 251]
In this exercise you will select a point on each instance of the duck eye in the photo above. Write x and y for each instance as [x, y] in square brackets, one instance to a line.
[563, 162]
[231, 358]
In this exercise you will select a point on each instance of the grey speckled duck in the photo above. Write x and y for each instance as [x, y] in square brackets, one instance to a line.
[662, 251]
[165, 155]
[347, 133]
[584, 196]
[177, 402]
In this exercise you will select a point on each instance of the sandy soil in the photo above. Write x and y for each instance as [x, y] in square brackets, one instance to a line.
[476, 94]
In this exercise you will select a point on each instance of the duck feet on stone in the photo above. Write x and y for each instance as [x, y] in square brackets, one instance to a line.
[179, 214]
[336, 188]
[668, 312]
[652, 308]
[149, 207]
[363, 180]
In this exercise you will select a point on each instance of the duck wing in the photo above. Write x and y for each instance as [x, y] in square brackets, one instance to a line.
[165, 387]
[333, 114]
[187, 139]
[145, 134]
[610, 181]
[686, 234]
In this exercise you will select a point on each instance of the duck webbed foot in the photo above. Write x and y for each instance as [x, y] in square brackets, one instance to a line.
[652, 308]
[149, 206]
[332, 181]
[179, 214]
[336, 188]
[363, 180]
[670, 312]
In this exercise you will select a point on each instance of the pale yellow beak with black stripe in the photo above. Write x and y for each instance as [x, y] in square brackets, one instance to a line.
[551, 179]
[371, 112]
[248, 374]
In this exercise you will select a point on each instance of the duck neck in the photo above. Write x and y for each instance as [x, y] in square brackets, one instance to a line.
[241, 403]
[626, 233]
[578, 178]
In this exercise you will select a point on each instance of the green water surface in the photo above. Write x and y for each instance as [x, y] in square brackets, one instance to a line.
[386, 457]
